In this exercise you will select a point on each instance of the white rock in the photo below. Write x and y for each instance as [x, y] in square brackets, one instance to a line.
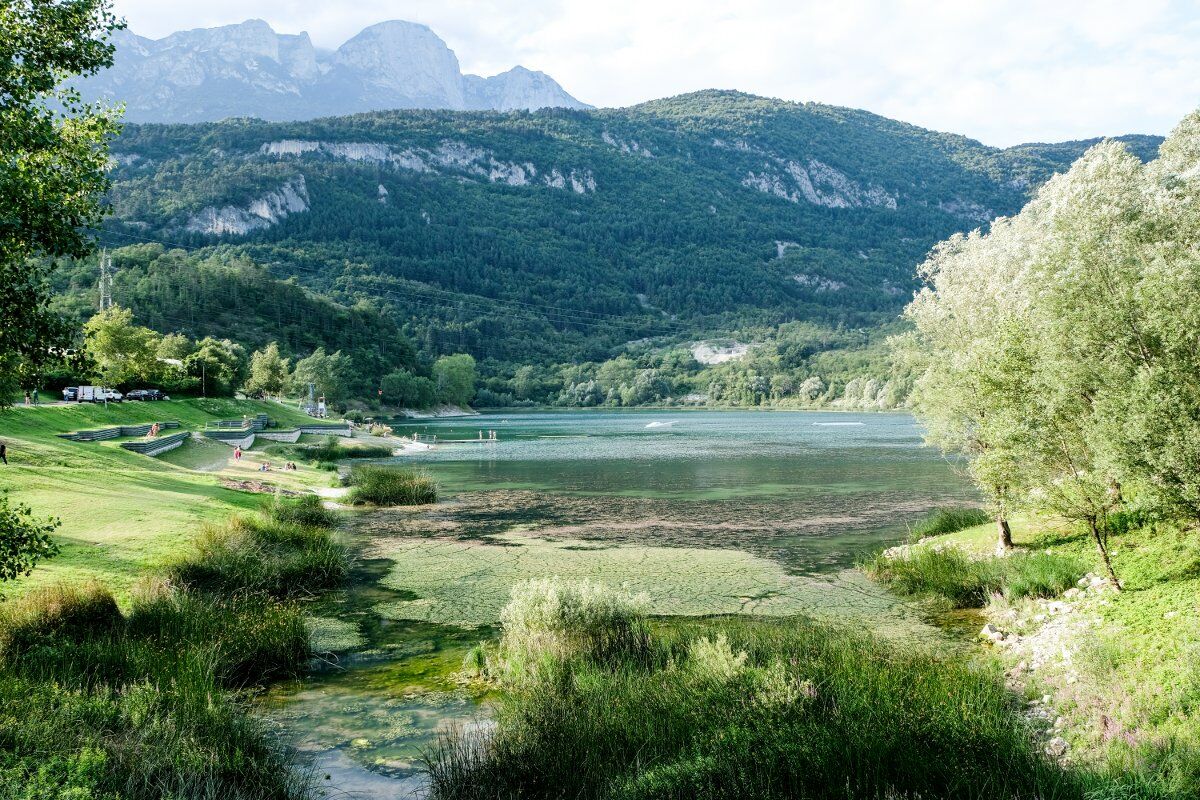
[1057, 747]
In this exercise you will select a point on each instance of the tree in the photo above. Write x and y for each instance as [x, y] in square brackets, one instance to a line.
[24, 541]
[455, 377]
[329, 372]
[406, 390]
[122, 351]
[175, 347]
[268, 372]
[53, 164]
[219, 364]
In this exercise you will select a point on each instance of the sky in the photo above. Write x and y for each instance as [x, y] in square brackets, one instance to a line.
[1001, 71]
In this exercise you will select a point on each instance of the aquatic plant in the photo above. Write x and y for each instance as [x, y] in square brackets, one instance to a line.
[390, 486]
[740, 708]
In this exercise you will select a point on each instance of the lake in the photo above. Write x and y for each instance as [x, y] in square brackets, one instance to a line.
[708, 512]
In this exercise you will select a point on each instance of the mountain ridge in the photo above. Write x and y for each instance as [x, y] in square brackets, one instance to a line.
[249, 70]
[703, 214]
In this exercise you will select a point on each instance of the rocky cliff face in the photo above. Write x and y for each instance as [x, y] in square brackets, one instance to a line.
[250, 70]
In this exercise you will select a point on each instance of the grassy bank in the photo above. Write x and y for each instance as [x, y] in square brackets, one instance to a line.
[600, 704]
[1117, 671]
[115, 683]
[149, 703]
[123, 514]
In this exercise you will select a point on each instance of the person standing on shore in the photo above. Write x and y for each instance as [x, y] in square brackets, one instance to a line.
[4, 452]
[35, 397]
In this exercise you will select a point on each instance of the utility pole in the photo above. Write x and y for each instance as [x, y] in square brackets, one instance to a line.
[203, 379]
[106, 280]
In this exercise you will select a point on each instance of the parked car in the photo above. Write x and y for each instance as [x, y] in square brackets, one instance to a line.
[97, 394]
[146, 394]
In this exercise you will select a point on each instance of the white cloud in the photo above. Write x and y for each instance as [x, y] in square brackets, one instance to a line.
[1003, 72]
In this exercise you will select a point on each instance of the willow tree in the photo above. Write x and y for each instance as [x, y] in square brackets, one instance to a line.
[1062, 348]
[53, 164]
[971, 350]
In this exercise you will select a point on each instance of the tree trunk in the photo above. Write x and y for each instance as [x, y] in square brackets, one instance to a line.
[1112, 575]
[1005, 542]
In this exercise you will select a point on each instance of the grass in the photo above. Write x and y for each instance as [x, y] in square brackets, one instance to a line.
[965, 581]
[600, 705]
[390, 486]
[138, 689]
[97, 705]
[123, 514]
[329, 449]
[1126, 684]
[260, 555]
[948, 520]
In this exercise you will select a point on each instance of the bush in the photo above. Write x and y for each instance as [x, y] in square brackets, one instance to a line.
[739, 708]
[390, 486]
[949, 520]
[247, 555]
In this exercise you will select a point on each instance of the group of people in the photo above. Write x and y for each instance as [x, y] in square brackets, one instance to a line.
[31, 399]
[290, 466]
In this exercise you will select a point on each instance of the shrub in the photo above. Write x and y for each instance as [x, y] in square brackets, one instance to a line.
[390, 486]
[949, 520]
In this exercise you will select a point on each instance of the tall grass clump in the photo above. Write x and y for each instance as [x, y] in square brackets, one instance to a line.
[390, 486]
[733, 708]
[303, 510]
[329, 449]
[965, 582]
[948, 520]
[550, 620]
[263, 555]
[98, 705]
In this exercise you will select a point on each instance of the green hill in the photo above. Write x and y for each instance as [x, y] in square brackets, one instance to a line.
[558, 236]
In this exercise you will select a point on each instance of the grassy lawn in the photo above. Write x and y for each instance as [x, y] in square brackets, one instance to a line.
[124, 514]
[1123, 670]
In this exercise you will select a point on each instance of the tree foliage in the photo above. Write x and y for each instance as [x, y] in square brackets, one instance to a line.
[1058, 351]
[24, 540]
[123, 352]
[53, 163]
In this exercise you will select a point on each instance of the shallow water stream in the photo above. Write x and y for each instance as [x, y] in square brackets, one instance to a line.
[709, 512]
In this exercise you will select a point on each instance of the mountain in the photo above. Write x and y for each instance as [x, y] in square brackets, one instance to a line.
[575, 235]
[249, 70]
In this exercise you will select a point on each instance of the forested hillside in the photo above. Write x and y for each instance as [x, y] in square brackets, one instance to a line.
[534, 239]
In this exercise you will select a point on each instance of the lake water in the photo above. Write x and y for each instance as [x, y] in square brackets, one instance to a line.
[709, 512]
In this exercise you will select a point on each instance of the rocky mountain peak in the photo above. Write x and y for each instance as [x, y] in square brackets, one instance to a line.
[249, 70]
